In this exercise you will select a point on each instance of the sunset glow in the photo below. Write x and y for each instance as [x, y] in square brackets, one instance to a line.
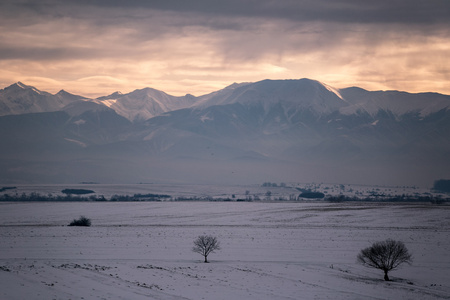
[197, 47]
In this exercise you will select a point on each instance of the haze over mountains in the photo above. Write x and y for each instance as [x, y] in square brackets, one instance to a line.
[272, 130]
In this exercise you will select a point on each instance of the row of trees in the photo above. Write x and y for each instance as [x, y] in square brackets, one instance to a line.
[81, 195]
[273, 184]
[385, 255]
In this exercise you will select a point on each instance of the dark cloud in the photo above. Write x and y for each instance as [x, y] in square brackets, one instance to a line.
[341, 11]
[346, 11]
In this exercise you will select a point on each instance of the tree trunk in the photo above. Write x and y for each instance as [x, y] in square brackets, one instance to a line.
[386, 277]
[206, 259]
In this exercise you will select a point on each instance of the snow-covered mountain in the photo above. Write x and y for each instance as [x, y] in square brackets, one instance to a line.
[301, 119]
[291, 94]
[287, 130]
[321, 98]
[19, 98]
[398, 103]
[145, 103]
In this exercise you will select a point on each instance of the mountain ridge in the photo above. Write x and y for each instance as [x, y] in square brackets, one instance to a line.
[143, 104]
[271, 130]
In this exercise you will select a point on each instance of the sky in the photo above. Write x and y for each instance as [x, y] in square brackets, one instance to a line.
[94, 48]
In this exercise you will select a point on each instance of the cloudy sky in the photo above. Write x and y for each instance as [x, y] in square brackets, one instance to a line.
[94, 48]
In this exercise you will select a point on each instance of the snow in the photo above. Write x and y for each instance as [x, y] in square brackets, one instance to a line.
[80, 122]
[146, 103]
[398, 103]
[24, 86]
[206, 118]
[21, 85]
[36, 90]
[108, 102]
[76, 142]
[333, 90]
[142, 250]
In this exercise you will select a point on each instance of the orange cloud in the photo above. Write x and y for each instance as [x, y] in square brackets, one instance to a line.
[95, 50]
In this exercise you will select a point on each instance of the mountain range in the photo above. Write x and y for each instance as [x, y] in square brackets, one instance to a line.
[272, 130]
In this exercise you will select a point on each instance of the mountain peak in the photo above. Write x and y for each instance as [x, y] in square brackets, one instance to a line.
[67, 97]
[149, 91]
[292, 94]
[114, 95]
[63, 92]
[18, 85]
[21, 85]
[236, 85]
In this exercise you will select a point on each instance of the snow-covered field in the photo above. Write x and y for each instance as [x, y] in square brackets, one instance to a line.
[142, 250]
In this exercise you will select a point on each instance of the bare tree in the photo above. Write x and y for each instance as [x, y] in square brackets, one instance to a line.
[205, 244]
[386, 255]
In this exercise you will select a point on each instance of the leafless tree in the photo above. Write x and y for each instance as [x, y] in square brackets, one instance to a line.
[205, 244]
[386, 255]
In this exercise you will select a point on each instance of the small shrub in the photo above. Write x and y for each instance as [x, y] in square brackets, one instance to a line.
[312, 195]
[82, 221]
[77, 191]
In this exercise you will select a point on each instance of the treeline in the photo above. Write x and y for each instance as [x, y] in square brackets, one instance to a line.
[273, 184]
[402, 198]
[140, 197]
[36, 197]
